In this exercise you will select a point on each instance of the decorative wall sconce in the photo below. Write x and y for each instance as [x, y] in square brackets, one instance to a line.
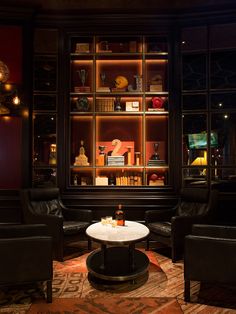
[8, 92]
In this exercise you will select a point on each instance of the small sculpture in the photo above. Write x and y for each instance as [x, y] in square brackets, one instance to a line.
[155, 156]
[82, 75]
[82, 159]
[117, 104]
[82, 104]
[103, 78]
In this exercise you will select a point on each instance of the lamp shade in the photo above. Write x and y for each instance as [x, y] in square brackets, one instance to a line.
[4, 72]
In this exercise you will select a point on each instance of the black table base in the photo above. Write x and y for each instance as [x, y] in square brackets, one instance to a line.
[117, 268]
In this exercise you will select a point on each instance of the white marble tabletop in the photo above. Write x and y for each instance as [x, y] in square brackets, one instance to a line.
[131, 232]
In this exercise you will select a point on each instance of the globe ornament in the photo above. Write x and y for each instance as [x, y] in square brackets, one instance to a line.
[158, 102]
[121, 82]
[4, 72]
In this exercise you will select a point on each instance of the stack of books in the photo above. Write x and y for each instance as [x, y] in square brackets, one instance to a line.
[103, 89]
[116, 89]
[82, 89]
[156, 109]
[115, 160]
[82, 48]
[156, 88]
[156, 162]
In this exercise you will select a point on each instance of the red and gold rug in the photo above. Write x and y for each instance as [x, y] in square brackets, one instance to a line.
[111, 305]
[72, 293]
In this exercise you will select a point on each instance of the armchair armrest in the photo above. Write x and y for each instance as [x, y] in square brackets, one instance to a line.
[218, 231]
[182, 225]
[25, 259]
[77, 214]
[15, 231]
[159, 215]
[54, 223]
[49, 220]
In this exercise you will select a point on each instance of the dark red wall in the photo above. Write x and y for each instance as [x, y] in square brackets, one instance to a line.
[10, 152]
[11, 127]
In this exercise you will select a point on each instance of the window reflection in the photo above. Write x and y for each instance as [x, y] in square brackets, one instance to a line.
[44, 140]
[224, 125]
[194, 140]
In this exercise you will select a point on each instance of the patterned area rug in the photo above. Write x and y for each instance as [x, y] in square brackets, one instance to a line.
[162, 293]
[112, 305]
[72, 293]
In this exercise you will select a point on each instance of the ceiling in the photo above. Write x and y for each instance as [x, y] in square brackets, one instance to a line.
[142, 6]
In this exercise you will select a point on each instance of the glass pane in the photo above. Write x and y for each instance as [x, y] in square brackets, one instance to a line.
[156, 75]
[81, 45]
[45, 140]
[223, 101]
[223, 69]
[224, 174]
[45, 102]
[156, 141]
[46, 177]
[119, 44]
[156, 44]
[223, 125]
[194, 102]
[157, 177]
[121, 137]
[194, 39]
[46, 41]
[118, 176]
[222, 36]
[82, 177]
[81, 76]
[194, 72]
[194, 140]
[194, 177]
[45, 74]
[81, 141]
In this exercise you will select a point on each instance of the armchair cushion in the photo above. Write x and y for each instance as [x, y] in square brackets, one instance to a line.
[163, 228]
[74, 227]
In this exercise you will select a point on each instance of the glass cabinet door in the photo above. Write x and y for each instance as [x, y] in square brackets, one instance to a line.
[119, 111]
[45, 98]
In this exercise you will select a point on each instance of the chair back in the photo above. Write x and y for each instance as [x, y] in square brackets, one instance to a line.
[196, 202]
[41, 201]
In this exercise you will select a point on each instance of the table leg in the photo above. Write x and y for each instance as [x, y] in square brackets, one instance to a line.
[103, 256]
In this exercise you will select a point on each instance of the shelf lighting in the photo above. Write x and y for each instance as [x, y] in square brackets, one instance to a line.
[8, 92]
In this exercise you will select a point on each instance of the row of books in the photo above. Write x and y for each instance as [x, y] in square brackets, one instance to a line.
[105, 104]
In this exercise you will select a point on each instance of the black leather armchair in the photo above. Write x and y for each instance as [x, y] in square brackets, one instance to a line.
[210, 256]
[43, 205]
[26, 255]
[170, 226]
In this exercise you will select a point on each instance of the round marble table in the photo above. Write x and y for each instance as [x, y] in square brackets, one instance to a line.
[117, 265]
